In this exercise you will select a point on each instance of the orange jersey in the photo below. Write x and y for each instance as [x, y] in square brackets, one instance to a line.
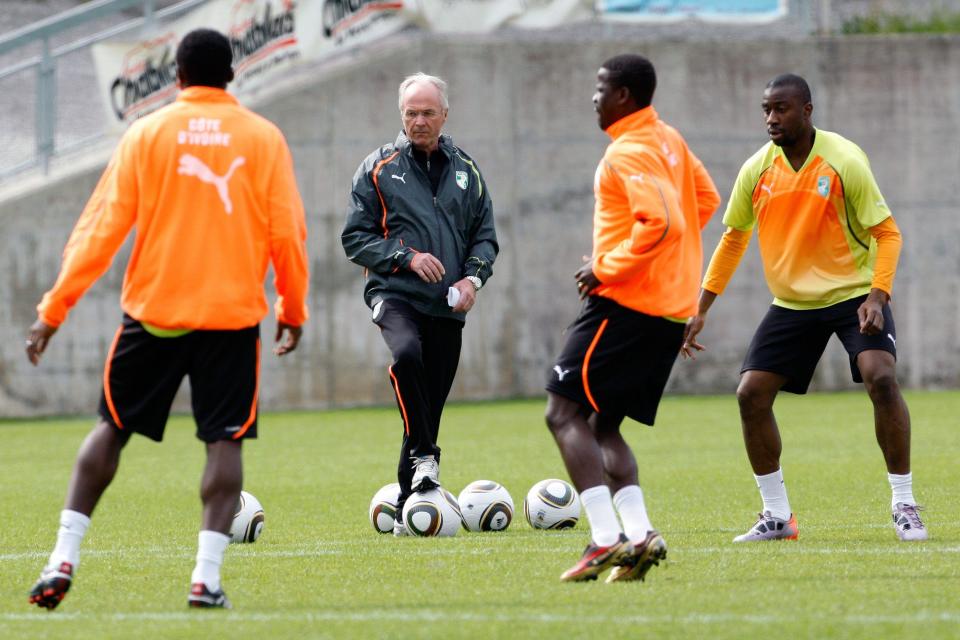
[819, 227]
[209, 187]
[653, 197]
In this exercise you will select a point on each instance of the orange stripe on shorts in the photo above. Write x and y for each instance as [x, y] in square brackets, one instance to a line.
[586, 365]
[106, 380]
[253, 405]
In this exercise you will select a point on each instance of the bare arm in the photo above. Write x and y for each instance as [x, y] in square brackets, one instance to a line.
[695, 326]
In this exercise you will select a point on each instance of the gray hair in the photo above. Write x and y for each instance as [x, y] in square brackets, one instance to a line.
[420, 77]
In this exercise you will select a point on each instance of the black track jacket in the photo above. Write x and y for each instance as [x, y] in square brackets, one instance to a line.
[393, 215]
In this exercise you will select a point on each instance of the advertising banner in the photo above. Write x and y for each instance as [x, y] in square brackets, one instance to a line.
[733, 11]
[268, 37]
[337, 25]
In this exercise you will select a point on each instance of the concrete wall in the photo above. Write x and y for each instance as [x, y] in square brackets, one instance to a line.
[522, 109]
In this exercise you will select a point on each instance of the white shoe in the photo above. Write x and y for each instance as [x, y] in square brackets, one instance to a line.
[770, 528]
[400, 529]
[426, 474]
[907, 521]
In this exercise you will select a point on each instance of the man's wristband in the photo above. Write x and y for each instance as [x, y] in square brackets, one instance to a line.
[476, 282]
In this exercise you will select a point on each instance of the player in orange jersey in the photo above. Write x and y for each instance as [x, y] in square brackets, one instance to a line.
[830, 248]
[210, 188]
[653, 197]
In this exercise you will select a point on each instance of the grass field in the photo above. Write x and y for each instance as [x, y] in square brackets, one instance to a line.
[320, 570]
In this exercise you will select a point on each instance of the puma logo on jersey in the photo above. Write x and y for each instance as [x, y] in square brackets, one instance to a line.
[767, 188]
[399, 177]
[892, 339]
[560, 372]
[194, 166]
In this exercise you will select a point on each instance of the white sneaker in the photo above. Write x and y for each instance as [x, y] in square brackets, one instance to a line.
[770, 528]
[426, 474]
[400, 529]
[907, 521]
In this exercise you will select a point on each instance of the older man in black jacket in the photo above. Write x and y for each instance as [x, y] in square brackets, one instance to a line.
[421, 223]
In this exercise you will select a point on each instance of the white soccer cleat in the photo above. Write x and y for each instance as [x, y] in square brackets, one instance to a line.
[400, 529]
[907, 522]
[769, 528]
[426, 474]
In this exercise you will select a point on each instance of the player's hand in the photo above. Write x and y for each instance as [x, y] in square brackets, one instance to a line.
[37, 341]
[870, 312]
[290, 342]
[690, 331]
[586, 279]
[468, 296]
[427, 267]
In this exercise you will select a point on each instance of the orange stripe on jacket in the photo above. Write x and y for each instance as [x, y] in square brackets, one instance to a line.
[403, 409]
[253, 405]
[376, 185]
[106, 380]
[586, 365]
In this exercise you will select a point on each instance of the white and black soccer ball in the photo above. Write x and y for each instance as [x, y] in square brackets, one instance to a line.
[432, 513]
[248, 520]
[552, 504]
[485, 506]
[457, 522]
[383, 508]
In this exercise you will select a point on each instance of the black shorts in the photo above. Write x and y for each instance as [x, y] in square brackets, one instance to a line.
[791, 342]
[143, 373]
[616, 361]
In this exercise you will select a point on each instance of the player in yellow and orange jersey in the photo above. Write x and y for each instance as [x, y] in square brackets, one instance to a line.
[829, 247]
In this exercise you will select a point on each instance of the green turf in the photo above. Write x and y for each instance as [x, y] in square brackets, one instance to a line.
[321, 571]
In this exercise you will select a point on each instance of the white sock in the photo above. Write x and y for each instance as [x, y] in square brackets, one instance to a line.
[73, 526]
[604, 525]
[633, 512]
[774, 494]
[209, 558]
[902, 486]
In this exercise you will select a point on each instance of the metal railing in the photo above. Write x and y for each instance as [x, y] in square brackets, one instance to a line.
[45, 63]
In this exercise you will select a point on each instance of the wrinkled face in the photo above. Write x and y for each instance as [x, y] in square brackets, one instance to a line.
[786, 115]
[607, 99]
[423, 115]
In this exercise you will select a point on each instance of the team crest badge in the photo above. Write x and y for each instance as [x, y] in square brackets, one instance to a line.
[823, 186]
[462, 180]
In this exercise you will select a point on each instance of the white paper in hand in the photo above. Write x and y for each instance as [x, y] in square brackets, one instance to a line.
[453, 296]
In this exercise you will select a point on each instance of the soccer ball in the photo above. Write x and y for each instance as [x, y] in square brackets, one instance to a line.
[453, 523]
[248, 520]
[383, 508]
[432, 513]
[552, 504]
[486, 506]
